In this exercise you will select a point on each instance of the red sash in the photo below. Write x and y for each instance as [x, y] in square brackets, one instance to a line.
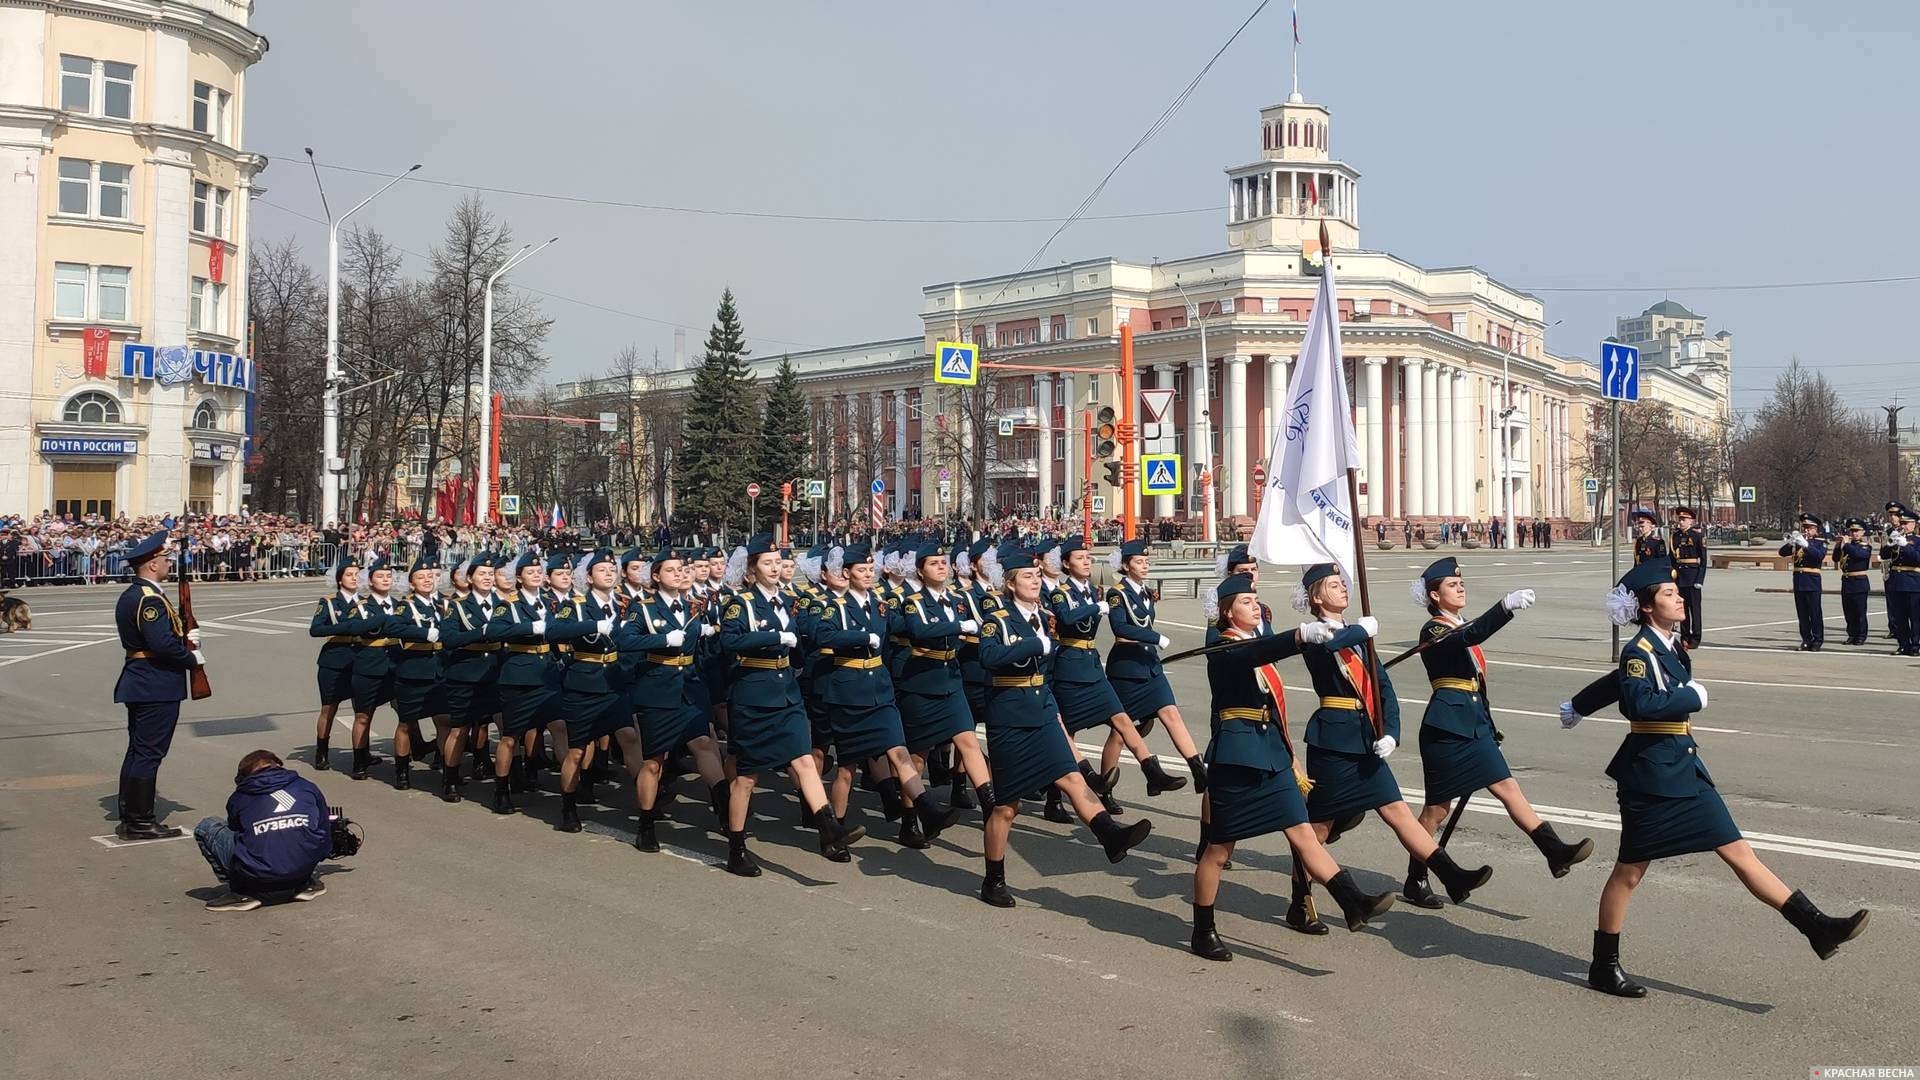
[1270, 681]
[1479, 658]
[1355, 665]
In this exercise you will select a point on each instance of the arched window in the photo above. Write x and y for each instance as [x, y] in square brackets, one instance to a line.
[1293, 133]
[91, 407]
[206, 417]
[1266, 136]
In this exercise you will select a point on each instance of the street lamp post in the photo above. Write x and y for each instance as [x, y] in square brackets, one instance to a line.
[1203, 460]
[482, 479]
[330, 408]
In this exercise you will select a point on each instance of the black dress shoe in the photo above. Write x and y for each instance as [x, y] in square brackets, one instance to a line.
[1608, 978]
[1208, 946]
[741, 863]
[995, 893]
[1056, 812]
[643, 837]
[320, 762]
[1159, 780]
[1302, 916]
[1417, 892]
[911, 834]
[1459, 881]
[1357, 906]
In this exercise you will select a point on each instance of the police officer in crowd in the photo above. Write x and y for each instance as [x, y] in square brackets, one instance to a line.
[152, 684]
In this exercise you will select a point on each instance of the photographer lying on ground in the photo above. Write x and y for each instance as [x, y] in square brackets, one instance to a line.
[276, 832]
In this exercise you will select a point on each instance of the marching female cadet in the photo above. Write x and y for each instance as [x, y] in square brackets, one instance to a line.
[1668, 803]
[933, 697]
[1853, 557]
[1257, 780]
[667, 634]
[1080, 687]
[1347, 755]
[1029, 748]
[767, 725]
[860, 701]
[472, 669]
[812, 664]
[373, 662]
[337, 623]
[417, 690]
[1133, 662]
[1459, 745]
[711, 664]
[591, 698]
[1809, 553]
[518, 623]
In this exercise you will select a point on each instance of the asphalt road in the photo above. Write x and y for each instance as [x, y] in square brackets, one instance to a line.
[461, 944]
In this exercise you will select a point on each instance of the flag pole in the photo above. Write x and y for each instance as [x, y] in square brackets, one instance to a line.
[1359, 550]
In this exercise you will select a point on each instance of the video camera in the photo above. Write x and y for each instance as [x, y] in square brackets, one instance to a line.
[347, 836]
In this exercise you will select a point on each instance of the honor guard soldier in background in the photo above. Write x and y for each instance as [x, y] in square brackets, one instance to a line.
[1809, 553]
[1901, 556]
[1646, 542]
[153, 683]
[1690, 560]
[1668, 803]
[335, 623]
[1854, 558]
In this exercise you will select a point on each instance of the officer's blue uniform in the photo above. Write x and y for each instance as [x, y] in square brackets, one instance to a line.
[526, 693]
[592, 698]
[858, 689]
[933, 695]
[1854, 559]
[1348, 776]
[1080, 686]
[1690, 561]
[767, 724]
[1133, 660]
[1668, 804]
[1649, 547]
[337, 622]
[373, 663]
[472, 658]
[979, 603]
[153, 677]
[1902, 560]
[1807, 564]
[659, 693]
[1028, 748]
[1459, 753]
[417, 691]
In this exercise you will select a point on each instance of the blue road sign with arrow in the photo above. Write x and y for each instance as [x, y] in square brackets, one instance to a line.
[1619, 372]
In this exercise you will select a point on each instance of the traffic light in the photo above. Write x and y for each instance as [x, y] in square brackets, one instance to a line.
[1113, 474]
[1104, 431]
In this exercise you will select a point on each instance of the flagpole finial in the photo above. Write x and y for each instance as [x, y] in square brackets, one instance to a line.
[1326, 247]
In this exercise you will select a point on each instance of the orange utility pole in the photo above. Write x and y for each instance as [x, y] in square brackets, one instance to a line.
[1086, 484]
[1129, 453]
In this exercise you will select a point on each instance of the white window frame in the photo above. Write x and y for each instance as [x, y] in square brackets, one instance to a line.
[217, 105]
[94, 282]
[95, 189]
[100, 288]
[209, 409]
[67, 183]
[108, 80]
[210, 205]
[69, 275]
[1093, 326]
[87, 76]
[74, 410]
[98, 80]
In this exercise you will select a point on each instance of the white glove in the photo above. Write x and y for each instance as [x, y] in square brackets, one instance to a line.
[193, 638]
[788, 639]
[539, 628]
[708, 630]
[1046, 644]
[969, 626]
[433, 634]
[676, 638]
[1518, 600]
[1105, 607]
[604, 626]
[200, 658]
[1797, 540]
[873, 641]
[1315, 633]
[1568, 718]
[1166, 642]
[1370, 624]
[1383, 747]
[1701, 689]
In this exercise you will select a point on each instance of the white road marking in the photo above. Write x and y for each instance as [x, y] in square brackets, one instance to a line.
[115, 638]
[112, 841]
[1714, 682]
[288, 623]
[209, 624]
[1790, 622]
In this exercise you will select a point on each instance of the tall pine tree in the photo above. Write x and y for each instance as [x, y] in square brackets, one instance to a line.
[783, 444]
[721, 432]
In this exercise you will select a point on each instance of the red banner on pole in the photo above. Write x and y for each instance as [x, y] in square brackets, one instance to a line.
[217, 262]
[93, 356]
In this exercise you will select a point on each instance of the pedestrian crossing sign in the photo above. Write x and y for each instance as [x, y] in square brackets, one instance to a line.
[1160, 474]
[956, 363]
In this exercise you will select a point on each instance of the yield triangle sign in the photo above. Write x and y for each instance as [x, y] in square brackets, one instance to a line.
[1155, 403]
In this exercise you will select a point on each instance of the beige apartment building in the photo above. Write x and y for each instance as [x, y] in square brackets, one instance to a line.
[1460, 411]
[123, 240]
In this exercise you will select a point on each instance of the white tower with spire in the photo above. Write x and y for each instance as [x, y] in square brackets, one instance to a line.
[1281, 200]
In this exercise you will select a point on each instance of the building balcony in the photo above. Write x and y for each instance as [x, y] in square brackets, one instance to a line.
[1013, 469]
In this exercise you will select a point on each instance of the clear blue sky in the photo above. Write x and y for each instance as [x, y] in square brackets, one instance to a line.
[1641, 148]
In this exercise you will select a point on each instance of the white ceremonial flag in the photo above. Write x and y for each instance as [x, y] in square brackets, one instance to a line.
[1306, 516]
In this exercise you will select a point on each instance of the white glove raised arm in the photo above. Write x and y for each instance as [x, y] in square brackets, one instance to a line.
[1166, 642]
[539, 627]
[1569, 718]
[1383, 747]
[1518, 600]
[604, 626]
[1046, 644]
[788, 639]
[1105, 607]
[708, 629]
[873, 641]
[1315, 632]
[1701, 689]
[676, 638]
[969, 626]
[1370, 624]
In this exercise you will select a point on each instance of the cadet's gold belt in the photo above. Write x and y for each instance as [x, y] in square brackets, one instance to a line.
[421, 646]
[764, 663]
[1806, 569]
[597, 658]
[823, 652]
[1340, 703]
[934, 654]
[1907, 569]
[899, 640]
[138, 654]
[1854, 573]
[529, 649]
[1469, 685]
[971, 639]
[1080, 643]
[1258, 716]
[1660, 727]
[862, 663]
[670, 659]
[343, 639]
[1686, 562]
[563, 649]
[1019, 680]
[486, 646]
[381, 643]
